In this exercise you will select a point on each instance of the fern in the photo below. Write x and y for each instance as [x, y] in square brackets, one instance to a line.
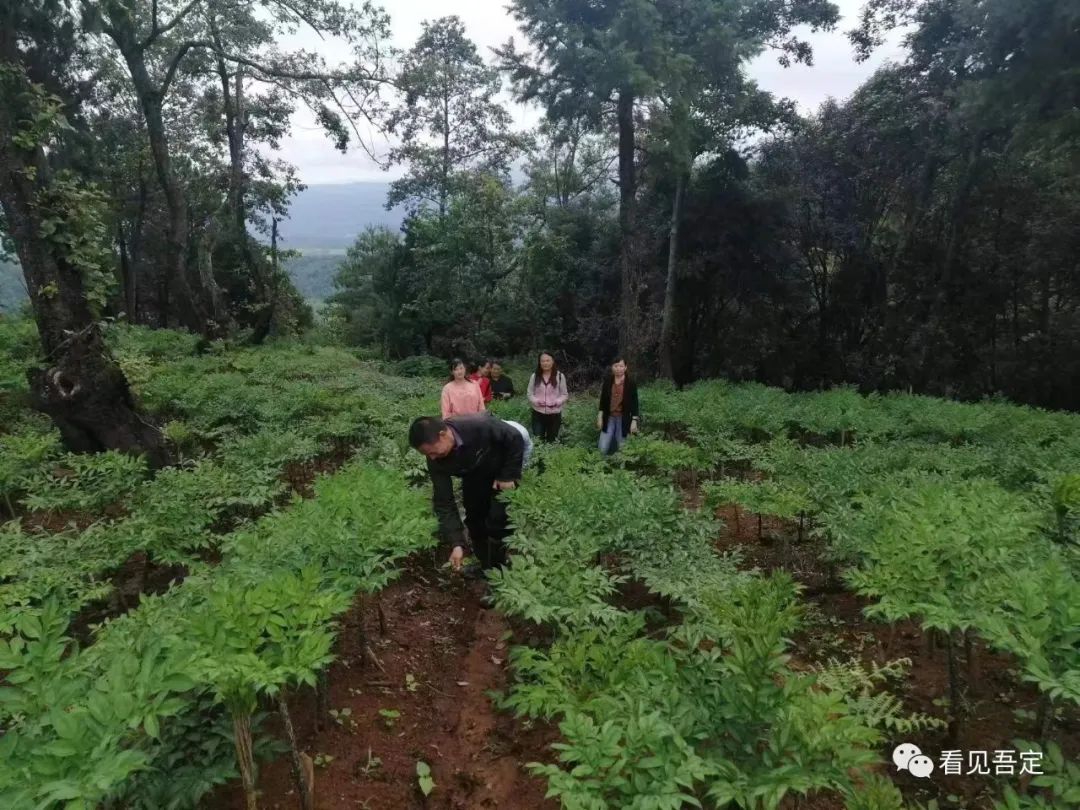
[865, 693]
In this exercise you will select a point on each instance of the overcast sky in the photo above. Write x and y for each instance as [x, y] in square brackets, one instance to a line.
[834, 73]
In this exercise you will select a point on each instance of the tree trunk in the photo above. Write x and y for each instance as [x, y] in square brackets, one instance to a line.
[191, 311]
[628, 309]
[245, 758]
[232, 94]
[958, 216]
[78, 384]
[667, 326]
[444, 188]
[198, 306]
[300, 773]
[266, 318]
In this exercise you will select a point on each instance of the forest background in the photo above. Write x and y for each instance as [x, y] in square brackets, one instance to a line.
[919, 235]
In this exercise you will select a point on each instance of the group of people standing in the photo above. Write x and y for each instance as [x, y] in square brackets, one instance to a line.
[489, 455]
[469, 391]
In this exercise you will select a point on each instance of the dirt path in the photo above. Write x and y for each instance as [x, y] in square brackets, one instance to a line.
[441, 654]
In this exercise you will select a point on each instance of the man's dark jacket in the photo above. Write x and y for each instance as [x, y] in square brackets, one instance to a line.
[488, 450]
[501, 386]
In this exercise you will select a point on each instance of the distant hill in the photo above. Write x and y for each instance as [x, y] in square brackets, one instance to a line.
[323, 221]
[331, 216]
[12, 289]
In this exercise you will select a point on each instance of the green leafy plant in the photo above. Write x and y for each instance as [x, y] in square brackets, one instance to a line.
[1057, 788]
[343, 717]
[865, 693]
[423, 778]
[389, 717]
[85, 481]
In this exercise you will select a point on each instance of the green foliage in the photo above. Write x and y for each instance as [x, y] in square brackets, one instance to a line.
[73, 221]
[1066, 501]
[933, 552]
[649, 453]
[760, 497]
[1058, 788]
[24, 455]
[18, 348]
[90, 482]
[82, 727]
[1037, 619]
[949, 518]
[669, 721]
[875, 793]
[254, 637]
[449, 122]
[865, 693]
[262, 618]
[420, 366]
[423, 778]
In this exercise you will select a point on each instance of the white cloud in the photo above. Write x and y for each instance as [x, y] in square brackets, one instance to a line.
[835, 73]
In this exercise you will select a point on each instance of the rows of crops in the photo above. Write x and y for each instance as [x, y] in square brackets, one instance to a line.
[962, 517]
[149, 622]
[113, 695]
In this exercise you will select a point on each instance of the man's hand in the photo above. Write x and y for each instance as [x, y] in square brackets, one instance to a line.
[501, 485]
[599, 421]
[456, 556]
[633, 426]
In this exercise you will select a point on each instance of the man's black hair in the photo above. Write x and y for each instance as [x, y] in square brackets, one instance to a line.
[425, 430]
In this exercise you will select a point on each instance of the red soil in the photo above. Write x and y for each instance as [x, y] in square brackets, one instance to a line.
[455, 652]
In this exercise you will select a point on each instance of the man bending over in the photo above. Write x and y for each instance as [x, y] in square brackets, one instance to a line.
[488, 455]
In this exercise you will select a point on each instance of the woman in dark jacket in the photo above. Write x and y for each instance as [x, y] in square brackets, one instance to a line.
[619, 409]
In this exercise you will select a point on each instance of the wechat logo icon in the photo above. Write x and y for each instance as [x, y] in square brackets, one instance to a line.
[908, 757]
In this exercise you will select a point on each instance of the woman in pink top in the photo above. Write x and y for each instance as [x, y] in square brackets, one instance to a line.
[460, 395]
[547, 394]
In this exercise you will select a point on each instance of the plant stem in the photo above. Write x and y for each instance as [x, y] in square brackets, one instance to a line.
[300, 774]
[954, 689]
[972, 660]
[759, 527]
[361, 631]
[244, 757]
[1044, 717]
[382, 616]
[322, 697]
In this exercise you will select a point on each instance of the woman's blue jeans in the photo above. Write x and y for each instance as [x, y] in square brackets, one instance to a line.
[612, 438]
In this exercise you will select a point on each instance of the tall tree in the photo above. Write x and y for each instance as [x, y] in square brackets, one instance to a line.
[235, 43]
[141, 41]
[595, 58]
[57, 225]
[449, 122]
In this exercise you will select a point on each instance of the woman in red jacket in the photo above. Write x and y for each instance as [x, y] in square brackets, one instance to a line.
[481, 375]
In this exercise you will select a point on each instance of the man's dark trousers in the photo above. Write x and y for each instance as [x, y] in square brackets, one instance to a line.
[486, 519]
